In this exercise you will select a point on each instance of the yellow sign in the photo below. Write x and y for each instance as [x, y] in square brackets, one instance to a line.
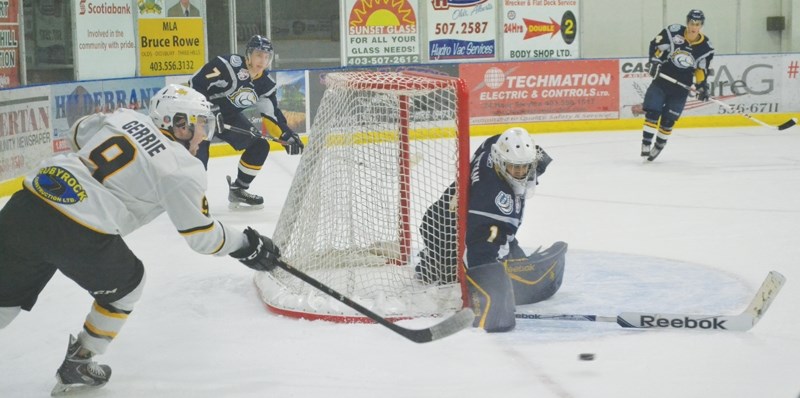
[171, 46]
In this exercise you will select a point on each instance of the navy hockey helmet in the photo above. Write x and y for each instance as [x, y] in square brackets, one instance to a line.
[696, 15]
[259, 43]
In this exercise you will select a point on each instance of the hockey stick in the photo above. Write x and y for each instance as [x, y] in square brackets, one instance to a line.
[239, 130]
[643, 320]
[455, 323]
[785, 125]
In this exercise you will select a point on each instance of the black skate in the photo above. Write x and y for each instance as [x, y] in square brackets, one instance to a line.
[239, 198]
[79, 372]
[657, 148]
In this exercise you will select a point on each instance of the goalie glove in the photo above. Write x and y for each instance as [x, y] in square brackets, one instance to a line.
[702, 91]
[292, 142]
[259, 254]
[654, 67]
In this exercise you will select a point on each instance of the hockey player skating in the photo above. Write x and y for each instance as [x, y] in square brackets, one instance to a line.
[72, 213]
[684, 53]
[234, 83]
[504, 172]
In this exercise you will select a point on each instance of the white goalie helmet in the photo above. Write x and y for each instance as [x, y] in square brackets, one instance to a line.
[515, 150]
[175, 105]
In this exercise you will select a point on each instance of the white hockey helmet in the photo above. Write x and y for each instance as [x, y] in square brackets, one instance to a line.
[515, 150]
[175, 105]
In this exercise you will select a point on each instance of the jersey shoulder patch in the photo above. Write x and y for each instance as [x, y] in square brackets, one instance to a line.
[504, 202]
[675, 27]
[236, 61]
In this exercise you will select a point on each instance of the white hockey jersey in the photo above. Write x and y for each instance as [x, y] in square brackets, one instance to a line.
[124, 174]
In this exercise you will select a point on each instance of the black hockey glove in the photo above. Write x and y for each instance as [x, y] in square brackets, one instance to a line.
[260, 254]
[702, 91]
[654, 67]
[292, 142]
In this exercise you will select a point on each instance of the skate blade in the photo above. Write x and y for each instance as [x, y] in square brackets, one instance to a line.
[244, 207]
[62, 389]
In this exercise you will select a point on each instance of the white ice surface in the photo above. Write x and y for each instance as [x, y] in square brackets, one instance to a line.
[696, 231]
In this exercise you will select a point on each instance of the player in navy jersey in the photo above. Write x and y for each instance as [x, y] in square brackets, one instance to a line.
[684, 53]
[504, 172]
[74, 210]
[234, 83]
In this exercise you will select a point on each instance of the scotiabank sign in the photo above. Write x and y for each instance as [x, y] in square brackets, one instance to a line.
[542, 91]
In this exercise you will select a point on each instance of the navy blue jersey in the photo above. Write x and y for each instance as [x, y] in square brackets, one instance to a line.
[227, 83]
[682, 59]
[494, 213]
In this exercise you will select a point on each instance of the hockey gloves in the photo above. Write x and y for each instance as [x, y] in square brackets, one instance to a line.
[654, 67]
[292, 142]
[260, 253]
[702, 91]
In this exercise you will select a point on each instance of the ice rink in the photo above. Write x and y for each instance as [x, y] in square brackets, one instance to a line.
[696, 231]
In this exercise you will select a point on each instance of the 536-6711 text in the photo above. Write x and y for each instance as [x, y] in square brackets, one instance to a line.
[164, 66]
[757, 107]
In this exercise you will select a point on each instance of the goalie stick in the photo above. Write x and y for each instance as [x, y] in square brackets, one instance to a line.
[783, 126]
[643, 320]
[453, 324]
[238, 130]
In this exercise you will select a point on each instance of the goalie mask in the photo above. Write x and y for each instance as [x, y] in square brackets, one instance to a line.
[514, 157]
[184, 114]
[259, 52]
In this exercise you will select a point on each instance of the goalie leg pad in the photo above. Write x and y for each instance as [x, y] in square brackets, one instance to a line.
[537, 277]
[492, 297]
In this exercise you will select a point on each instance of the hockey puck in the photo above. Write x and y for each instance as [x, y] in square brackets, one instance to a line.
[586, 357]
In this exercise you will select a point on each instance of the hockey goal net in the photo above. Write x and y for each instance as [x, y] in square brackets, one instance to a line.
[383, 147]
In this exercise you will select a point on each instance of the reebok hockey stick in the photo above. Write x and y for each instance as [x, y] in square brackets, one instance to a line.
[642, 320]
[239, 130]
[455, 323]
[785, 125]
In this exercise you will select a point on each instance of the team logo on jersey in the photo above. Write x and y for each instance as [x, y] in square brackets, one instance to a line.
[504, 202]
[675, 27]
[244, 97]
[682, 59]
[236, 61]
[678, 39]
[243, 74]
[58, 185]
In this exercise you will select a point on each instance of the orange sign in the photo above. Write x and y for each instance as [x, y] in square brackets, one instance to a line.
[542, 91]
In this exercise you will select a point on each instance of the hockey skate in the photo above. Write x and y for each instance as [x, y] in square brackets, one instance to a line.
[645, 150]
[239, 198]
[657, 148]
[78, 372]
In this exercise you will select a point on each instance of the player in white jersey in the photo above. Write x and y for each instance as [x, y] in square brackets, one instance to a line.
[75, 209]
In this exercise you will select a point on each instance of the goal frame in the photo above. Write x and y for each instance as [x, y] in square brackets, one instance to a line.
[405, 164]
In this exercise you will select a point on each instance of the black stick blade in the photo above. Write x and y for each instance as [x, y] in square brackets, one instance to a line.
[789, 123]
[455, 323]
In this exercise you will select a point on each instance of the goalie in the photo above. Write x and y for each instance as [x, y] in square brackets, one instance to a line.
[504, 172]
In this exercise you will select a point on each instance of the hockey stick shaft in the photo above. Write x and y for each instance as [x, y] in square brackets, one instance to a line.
[239, 130]
[783, 126]
[453, 324]
[642, 320]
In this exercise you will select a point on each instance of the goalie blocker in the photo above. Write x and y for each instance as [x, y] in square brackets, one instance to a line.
[496, 288]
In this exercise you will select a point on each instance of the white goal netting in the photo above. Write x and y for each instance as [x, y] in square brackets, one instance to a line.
[383, 147]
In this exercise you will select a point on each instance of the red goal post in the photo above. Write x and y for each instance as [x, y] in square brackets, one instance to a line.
[383, 147]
